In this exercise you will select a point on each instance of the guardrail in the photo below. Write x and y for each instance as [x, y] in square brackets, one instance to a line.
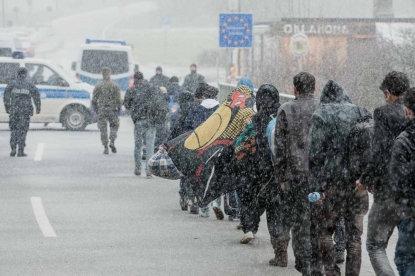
[226, 88]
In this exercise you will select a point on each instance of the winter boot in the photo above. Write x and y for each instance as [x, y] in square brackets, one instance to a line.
[112, 146]
[20, 152]
[149, 175]
[194, 209]
[204, 213]
[280, 249]
[247, 238]
[217, 210]
[106, 150]
[13, 153]
[183, 203]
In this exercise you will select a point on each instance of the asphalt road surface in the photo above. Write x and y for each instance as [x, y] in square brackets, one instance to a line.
[75, 211]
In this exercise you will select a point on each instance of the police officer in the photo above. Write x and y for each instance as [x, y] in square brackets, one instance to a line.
[106, 101]
[18, 103]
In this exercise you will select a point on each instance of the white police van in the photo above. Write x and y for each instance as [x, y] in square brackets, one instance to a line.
[94, 55]
[65, 99]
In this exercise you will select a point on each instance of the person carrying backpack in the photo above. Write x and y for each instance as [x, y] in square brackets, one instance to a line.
[148, 108]
[334, 125]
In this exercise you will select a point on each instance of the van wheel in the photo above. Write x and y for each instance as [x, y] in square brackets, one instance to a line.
[75, 119]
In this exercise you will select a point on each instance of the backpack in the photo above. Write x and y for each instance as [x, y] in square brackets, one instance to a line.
[151, 105]
[359, 146]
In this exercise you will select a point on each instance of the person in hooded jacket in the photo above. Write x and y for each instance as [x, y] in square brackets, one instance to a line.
[331, 126]
[253, 166]
[186, 102]
[18, 97]
[199, 113]
[383, 217]
[402, 179]
[291, 172]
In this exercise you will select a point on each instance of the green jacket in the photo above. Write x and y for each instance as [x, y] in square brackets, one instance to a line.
[106, 96]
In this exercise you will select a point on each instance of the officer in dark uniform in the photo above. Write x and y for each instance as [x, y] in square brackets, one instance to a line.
[18, 103]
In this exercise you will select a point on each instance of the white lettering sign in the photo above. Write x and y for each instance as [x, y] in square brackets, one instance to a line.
[321, 29]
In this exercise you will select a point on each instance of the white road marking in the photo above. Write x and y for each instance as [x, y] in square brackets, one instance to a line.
[39, 152]
[41, 218]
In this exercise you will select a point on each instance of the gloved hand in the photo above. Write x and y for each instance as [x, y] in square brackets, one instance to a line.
[38, 111]
[7, 111]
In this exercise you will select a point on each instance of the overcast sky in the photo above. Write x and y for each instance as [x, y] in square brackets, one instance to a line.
[264, 10]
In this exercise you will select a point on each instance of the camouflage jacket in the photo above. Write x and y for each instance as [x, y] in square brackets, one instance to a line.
[106, 96]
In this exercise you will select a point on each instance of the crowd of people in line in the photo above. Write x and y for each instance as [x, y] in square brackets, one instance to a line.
[329, 148]
[308, 163]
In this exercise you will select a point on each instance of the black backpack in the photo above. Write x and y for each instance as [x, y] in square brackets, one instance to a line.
[359, 147]
[151, 104]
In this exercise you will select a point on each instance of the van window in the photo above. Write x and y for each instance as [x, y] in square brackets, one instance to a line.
[8, 72]
[43, 75]
[93, 61]
[5, 52]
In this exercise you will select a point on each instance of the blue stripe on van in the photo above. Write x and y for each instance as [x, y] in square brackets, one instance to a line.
[123, 83]
[46, 93]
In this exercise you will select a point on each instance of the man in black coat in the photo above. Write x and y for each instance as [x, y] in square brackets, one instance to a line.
[291, 170]
[148, 108]
[191, 82]
[160, 80]
[402, 180]
[383, 217]
[18, 103]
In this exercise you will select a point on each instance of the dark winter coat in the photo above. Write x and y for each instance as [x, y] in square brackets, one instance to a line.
[174, 90]
[145, 101]
[389, 123]
[191, 82]
[251, 167]
[18, 97]
[160, 80]
[402, 169]
[200, 113]
[186, 102]
[331, 125]
[291, 137]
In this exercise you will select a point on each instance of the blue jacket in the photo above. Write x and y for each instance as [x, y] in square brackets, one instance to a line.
[200, 113]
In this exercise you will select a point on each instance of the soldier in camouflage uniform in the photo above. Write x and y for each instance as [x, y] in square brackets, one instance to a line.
[106, 101]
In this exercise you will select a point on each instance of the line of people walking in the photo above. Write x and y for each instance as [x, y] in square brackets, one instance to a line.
[310, 164]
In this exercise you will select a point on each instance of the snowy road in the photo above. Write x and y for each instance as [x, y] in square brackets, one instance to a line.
[106, 220]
